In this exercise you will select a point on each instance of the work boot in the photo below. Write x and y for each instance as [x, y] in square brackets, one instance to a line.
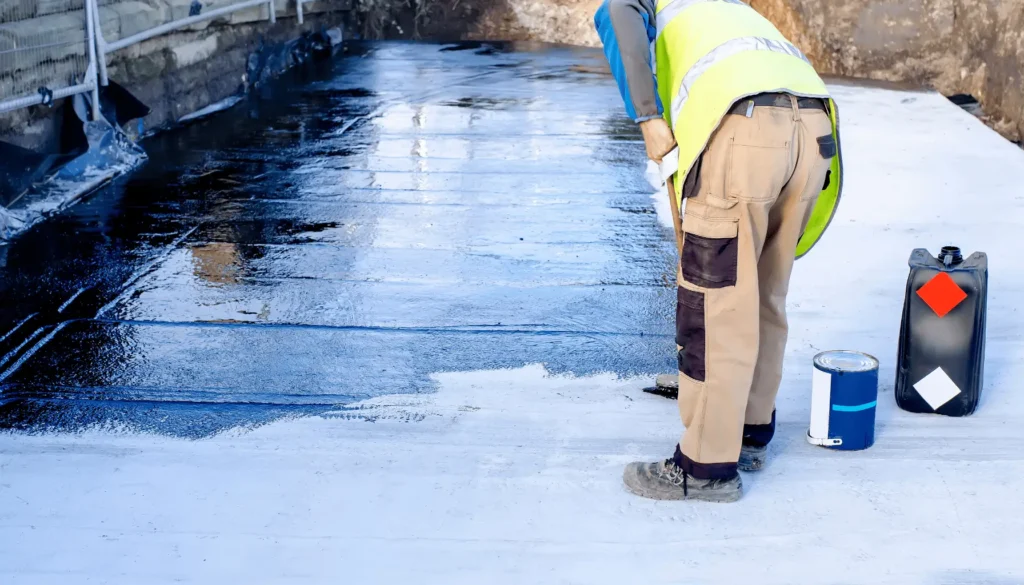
[664, 480]
[754, 447]
[752, 458]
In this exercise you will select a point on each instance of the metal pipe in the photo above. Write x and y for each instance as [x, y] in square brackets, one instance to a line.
[168, 27]
[298, 10]
[273, 12]
[92, 71]
[37, 99]
[101, 47]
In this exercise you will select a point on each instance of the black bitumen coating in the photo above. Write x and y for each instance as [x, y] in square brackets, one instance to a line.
[401, 210]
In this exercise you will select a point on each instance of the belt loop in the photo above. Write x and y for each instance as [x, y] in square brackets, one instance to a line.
[796, 107]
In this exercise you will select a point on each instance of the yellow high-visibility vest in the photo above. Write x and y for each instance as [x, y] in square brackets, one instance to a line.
[710, 54]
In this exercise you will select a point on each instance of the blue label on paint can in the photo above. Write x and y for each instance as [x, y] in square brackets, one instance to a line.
[855, 408]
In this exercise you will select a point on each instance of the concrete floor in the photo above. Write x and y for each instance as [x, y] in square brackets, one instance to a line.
[391, 323]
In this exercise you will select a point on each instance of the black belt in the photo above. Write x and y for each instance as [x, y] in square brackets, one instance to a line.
[779, 100]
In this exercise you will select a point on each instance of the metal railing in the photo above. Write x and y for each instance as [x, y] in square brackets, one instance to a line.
[196, 15]
[47, 52]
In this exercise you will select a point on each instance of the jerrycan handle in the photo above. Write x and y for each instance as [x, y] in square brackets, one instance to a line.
[823, 442]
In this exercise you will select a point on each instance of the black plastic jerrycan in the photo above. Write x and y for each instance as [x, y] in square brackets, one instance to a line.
[942, 338]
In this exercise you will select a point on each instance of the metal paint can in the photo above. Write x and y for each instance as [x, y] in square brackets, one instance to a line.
[844, 396]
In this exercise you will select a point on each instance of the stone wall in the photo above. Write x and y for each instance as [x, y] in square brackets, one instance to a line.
[954, 46]
[179, 73]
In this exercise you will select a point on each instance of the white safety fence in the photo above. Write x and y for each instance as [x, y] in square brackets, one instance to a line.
[51, 49]
[47, 51]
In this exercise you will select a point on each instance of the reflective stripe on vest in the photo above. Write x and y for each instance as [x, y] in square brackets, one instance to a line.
[676, 7]
[723, 51]
[712, 53]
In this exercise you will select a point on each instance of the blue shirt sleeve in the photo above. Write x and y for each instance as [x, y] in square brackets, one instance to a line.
[627, 30]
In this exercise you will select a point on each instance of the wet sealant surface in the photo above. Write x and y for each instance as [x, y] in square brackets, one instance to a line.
[402, 210]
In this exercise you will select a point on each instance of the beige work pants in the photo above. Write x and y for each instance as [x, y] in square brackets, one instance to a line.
[759, 179]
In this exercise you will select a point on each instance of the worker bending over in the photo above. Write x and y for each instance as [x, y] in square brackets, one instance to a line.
[745, 128]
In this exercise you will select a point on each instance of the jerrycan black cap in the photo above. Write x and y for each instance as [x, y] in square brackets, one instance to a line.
[950, 255]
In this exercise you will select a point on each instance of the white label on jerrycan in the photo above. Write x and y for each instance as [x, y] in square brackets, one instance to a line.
[821, 403]
[937, 388]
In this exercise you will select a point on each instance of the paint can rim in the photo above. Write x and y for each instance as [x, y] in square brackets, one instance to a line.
[846, 361]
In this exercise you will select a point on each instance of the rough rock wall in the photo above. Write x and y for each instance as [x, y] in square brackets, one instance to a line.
[955, 46]
[549, 21]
